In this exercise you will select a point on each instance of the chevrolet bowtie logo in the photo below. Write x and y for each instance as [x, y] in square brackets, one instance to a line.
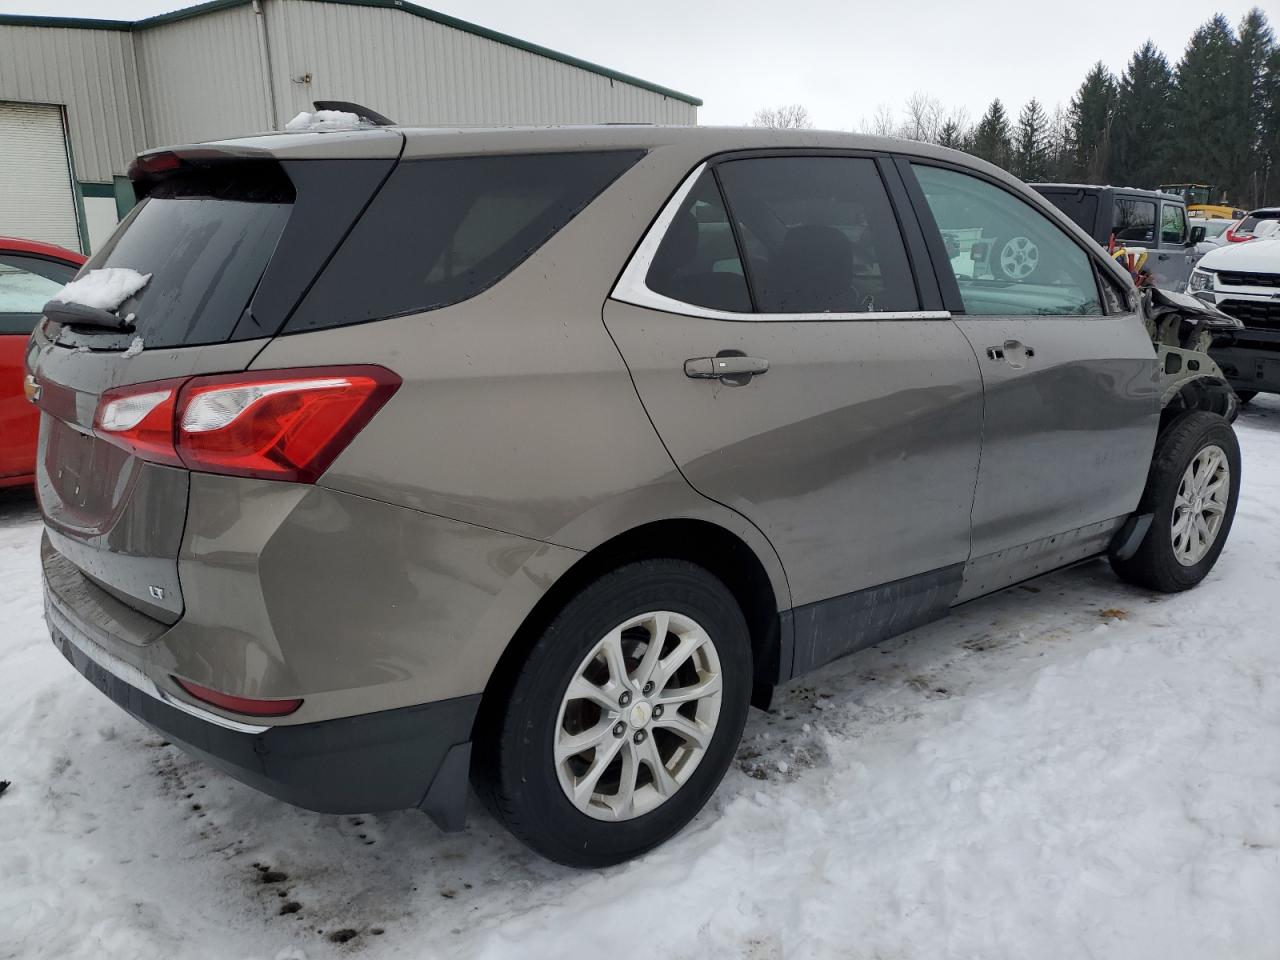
[31, 387]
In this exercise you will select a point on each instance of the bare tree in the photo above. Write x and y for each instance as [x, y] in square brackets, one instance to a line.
[882, 124]
[791, 116]
[925, 118]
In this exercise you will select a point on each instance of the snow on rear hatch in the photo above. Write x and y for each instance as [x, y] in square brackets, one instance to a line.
[105, 288]
[323, 121]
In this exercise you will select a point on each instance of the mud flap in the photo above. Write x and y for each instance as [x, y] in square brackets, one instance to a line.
[1129, 537]
[446, 799]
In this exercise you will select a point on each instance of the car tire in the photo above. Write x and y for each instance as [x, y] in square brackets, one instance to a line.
[1246, 396]
[526, 770]
[1185, 492]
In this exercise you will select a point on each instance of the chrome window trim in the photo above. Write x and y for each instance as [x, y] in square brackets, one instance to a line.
[631, 287]
[134, 677]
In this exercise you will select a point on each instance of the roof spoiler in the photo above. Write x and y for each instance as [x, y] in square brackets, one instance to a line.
[364, 113]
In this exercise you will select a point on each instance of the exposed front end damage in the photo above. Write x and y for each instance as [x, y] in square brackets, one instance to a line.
[1183, 329]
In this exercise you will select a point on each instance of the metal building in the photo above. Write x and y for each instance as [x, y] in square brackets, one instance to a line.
[79, 98]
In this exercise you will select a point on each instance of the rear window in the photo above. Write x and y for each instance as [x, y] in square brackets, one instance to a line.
[440, 231]
[1081, 207]
[205, 240]
[1250, 223]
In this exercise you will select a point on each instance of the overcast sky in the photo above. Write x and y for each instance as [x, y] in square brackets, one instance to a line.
[841, 59]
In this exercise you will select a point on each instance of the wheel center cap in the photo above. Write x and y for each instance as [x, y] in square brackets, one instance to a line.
[640, 714]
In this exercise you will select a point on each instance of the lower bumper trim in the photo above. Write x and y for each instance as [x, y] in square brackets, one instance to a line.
[390, 760]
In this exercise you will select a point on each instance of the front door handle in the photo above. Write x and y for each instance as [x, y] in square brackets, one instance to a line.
[1013, 352]
[731, 368]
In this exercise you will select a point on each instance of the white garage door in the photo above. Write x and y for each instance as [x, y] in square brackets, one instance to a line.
[36, 198]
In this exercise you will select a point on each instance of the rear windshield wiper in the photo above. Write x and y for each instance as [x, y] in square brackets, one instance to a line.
[79, 315]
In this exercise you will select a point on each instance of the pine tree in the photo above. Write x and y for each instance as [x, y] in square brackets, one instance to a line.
[1269, 189]
[1204, 105]
[1030, 144]
[991, 138]
[1091, 116]
[951, 135]
[1143, 130]
[1249, 91]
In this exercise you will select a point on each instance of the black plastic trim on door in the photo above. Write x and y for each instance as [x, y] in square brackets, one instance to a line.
[913, 237]
[942, 272]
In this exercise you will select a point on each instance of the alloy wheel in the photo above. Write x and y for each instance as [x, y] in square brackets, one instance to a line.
[1019, 258]
[1200, 505]
[638, 716]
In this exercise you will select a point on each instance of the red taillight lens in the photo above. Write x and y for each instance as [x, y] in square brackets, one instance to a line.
[159, 162]
[276, 425]
[245, 705]
[140, 419]
[281, 426]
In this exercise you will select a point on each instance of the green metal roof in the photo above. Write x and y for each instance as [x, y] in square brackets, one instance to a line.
[186, 13]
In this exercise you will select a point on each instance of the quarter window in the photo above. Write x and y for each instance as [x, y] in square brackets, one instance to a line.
[443, 230]
[1008, 258]
[1134, 221]
[819, 235]
[697, 261]
[1173, 224]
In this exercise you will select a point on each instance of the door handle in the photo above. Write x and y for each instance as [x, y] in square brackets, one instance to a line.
[1013, 352]
[731, 368]
[1163, 256]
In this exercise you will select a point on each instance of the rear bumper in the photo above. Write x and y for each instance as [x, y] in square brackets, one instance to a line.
[391, 760]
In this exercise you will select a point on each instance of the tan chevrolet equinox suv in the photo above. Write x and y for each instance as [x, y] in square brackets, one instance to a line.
[530, 458]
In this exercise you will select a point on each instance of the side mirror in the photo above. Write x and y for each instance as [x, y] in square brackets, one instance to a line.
[1197, 236]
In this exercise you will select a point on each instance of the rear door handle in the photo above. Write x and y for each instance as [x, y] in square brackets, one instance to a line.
[1013, 352]
[729, 368]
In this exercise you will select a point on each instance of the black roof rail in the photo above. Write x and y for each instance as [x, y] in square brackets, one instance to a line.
[364, 113]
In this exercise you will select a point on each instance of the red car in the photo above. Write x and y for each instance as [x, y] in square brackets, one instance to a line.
[30, 273]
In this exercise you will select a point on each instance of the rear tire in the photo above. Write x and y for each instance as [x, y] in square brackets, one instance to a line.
[1191, 492]
[573, 687]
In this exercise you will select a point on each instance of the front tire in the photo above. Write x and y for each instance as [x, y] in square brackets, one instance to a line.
[1192, 489]
[623, 718]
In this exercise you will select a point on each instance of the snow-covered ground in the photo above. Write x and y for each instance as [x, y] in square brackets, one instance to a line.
[1072, 768]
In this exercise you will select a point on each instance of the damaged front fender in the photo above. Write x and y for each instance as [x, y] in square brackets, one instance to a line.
[1183, 329]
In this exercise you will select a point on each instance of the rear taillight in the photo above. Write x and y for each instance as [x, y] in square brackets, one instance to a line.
[140, 419]
[245, 705]
[276, 425]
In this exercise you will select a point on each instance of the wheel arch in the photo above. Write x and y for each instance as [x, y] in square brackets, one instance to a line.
[719, 550]
[1211, 394]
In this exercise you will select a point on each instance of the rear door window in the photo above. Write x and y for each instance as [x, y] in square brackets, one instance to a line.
[1008, 258]
[819, 235]
[1134, 221]
[26, 285]
[440, 231]
[205, 240]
